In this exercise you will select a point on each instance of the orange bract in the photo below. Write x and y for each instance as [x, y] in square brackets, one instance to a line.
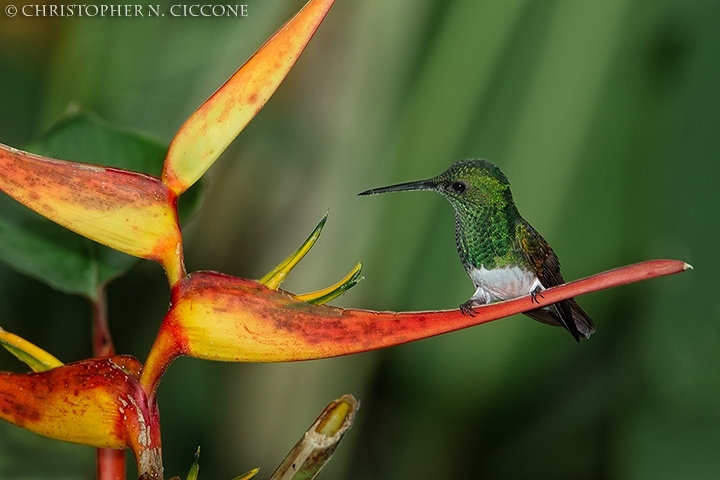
[219, 317]
[96, 402]
[208, 131]
[128, 211]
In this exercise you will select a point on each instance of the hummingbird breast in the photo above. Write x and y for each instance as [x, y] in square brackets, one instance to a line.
[503, 283]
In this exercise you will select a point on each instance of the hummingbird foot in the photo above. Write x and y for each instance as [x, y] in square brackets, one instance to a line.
[467, 308]
[535, 292]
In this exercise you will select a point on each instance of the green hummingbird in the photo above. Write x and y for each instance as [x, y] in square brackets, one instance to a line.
[502, 253]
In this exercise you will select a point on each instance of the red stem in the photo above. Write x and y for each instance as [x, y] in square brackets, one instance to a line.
[102, 340]
[110, 462]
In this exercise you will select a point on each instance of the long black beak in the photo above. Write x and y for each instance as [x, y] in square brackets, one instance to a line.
[402, 187]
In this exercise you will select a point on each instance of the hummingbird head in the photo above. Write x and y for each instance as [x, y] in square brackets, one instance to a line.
[467, 184]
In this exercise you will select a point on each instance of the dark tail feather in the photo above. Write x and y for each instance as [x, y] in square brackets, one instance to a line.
[560, 314]
[582, 320]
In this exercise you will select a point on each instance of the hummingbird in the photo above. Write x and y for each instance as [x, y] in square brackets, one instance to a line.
[502, 253]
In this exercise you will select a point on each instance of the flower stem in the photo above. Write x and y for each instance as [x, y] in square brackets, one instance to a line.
[102, 340]
[110, 462]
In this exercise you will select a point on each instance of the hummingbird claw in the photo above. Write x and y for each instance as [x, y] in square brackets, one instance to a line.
[536, 293]
[467, 308]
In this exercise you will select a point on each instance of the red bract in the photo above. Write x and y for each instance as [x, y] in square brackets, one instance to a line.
[128, 211]
[219, 317]
[97, 402]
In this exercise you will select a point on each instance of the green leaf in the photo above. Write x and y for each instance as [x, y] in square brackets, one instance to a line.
[62, 259]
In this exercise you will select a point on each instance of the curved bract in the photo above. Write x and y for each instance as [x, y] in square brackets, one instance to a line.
[216, 123]
[219, 317]
[128, 211]
[97, 402]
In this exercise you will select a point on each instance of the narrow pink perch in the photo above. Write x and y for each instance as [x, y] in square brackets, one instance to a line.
[219, 317]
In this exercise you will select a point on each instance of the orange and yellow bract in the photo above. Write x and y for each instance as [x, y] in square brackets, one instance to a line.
[216, 123]
[128, 211]
[218, 317]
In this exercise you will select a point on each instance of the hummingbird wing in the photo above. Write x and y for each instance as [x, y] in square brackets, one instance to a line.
[539, 254]
[546, 265]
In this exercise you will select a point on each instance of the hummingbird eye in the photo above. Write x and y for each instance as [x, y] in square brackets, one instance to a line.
[458, 187]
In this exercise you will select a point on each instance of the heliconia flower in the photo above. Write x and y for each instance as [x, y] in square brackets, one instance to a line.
[136, 213]
[219, 317]
[208, 131]
[325, 295]
[274, 278]
[97, 402]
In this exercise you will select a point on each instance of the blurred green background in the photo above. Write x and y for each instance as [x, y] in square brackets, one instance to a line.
[604, 115]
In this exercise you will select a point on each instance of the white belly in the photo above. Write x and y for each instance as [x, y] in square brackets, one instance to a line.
[502, 283]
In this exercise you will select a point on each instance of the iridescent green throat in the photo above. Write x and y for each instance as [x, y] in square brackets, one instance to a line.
[485, 236]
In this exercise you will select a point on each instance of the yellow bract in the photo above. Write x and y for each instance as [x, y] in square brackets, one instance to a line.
[211, 128]
[127, 211]
[89, 419]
